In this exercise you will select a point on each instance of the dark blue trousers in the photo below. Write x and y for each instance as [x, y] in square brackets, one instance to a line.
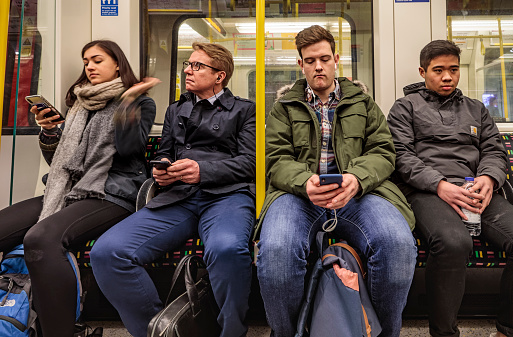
[224, 224]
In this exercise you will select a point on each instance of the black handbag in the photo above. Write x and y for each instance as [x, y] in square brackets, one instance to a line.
[193, 313]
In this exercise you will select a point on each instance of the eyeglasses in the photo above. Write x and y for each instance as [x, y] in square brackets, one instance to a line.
[197, 66]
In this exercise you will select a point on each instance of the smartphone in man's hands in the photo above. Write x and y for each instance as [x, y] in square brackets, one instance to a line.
[41, 103]
[160, 164]
[326, 179]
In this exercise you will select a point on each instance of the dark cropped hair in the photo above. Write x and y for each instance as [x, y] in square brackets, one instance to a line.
[113, 50]
[311, 35]
[438, 48]
[221, 57]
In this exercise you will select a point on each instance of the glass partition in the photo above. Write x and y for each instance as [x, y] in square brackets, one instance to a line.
[484, 32]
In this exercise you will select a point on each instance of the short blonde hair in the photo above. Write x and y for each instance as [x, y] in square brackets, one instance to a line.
[221, 57]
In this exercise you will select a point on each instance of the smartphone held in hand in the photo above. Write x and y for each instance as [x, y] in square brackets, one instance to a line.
[326, 179]
[160, 164]
[41, 103]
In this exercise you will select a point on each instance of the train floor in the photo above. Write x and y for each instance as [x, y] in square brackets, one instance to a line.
[411, 328]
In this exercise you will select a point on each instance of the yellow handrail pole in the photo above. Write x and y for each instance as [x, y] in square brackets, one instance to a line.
[260, 105]
[4, 29]
[210, 16]
[341, 66]
[449, 28]
[503, 71]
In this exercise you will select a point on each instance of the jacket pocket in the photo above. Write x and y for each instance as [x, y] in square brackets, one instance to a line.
[471, 134]
[353, 124]
[300, 132]
[352, 134]
[301, 136]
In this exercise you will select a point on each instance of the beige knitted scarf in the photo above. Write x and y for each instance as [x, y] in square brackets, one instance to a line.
[85, 152]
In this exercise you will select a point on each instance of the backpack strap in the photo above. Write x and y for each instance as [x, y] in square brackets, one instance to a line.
[355, 255]
[368, 328]
[80, 294]
[322, 242]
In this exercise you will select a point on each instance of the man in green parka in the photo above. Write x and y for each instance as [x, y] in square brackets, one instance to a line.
[325, 125]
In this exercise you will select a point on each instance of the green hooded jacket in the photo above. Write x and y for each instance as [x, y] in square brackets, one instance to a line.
[361, 140]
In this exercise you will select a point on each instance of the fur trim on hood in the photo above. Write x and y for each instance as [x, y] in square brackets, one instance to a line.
[362, 86]
[282, 91]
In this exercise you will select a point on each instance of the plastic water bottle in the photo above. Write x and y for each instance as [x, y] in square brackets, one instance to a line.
[473, 223]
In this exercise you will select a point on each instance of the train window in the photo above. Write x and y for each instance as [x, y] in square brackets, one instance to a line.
[484, 32]
[275, 80]
[232, 24]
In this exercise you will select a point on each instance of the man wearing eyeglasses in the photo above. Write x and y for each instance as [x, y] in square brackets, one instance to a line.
[209, 139]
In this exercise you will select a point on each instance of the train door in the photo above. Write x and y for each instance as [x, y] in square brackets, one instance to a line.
[44, 42]
[23, 66]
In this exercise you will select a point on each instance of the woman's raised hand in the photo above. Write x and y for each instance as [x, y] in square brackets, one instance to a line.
[140, 88]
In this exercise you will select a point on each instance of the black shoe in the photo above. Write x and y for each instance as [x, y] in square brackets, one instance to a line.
[98, 332]
[80, 330]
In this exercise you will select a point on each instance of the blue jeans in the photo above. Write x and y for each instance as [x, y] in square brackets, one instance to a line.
[370, 224]
[224, 224]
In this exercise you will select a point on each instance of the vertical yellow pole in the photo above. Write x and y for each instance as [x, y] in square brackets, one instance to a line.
[503, 72]
[260, 105]
[449, 28]
[340, 65]
[210, 17]
[4, 29]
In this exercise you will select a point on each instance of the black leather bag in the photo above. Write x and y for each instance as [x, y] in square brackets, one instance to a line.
[194, 312]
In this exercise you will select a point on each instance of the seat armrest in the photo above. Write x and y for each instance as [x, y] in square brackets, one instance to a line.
[146, 193]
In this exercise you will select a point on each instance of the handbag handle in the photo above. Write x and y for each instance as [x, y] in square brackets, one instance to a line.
[184, 268]
[190, 284]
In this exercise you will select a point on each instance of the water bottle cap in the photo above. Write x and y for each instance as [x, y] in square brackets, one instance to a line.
[469, 178]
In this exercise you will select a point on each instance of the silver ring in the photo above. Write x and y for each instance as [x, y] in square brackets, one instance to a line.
[181, 177]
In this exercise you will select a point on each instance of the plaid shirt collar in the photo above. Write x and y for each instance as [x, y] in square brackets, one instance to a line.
[311, 97]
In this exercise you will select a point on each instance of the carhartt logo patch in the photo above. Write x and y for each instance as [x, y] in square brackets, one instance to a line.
[473, 130]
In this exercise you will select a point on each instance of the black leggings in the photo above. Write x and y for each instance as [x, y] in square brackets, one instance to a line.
[46, 243]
